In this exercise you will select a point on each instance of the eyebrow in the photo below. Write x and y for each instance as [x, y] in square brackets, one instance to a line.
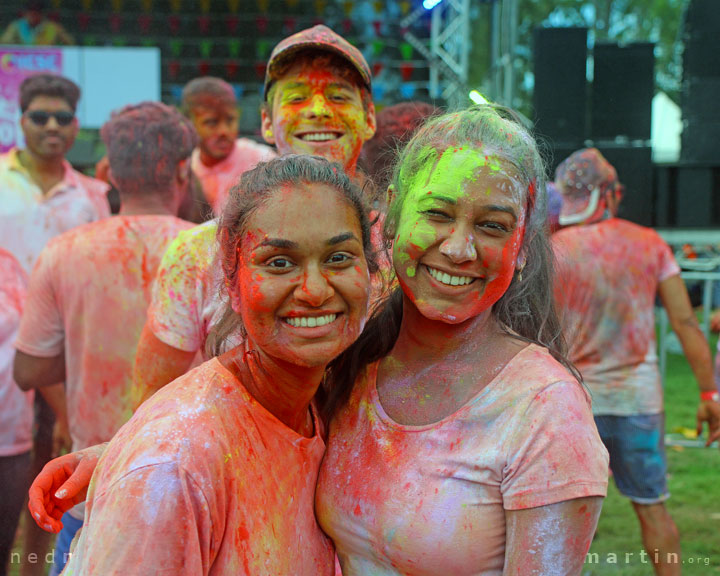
[446, 199]
[341, 238]
[278, 243]
[498, 208]
[290, 245]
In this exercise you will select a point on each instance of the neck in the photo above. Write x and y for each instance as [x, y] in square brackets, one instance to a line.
[283, 389]
[38, 166]
[148, 204]
[210, 161]
[422, 340]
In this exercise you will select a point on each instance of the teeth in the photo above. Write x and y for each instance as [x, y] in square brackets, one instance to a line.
[319, 136]
[445, 278]
[311, 321]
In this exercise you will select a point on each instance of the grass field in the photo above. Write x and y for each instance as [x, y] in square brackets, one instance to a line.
[694, 481]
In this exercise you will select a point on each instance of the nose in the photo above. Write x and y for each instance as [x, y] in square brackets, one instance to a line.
[459, 247]
[52, 124]
[315, 289]
[318, 107]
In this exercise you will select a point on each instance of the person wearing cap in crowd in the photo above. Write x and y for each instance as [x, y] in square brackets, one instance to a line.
[42, 197]
[220, 157]
[609, 273]
[317, 101]
[90, 288]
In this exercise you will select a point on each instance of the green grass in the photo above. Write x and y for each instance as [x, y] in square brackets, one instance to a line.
[694, 475]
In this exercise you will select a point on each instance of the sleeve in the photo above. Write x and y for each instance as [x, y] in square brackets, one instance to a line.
[175, 313]
[152, 520]
[555, 453]
[668, 265]
[42, 331]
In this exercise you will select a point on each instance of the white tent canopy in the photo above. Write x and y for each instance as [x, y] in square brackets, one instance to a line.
[666, 129]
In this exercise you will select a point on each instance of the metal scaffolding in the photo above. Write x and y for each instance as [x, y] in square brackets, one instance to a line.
[449, 48]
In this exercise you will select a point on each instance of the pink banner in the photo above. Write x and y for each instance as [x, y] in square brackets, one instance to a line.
[16, 64]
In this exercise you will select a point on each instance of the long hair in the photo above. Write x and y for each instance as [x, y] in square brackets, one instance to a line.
[526, 310]
[256, 186]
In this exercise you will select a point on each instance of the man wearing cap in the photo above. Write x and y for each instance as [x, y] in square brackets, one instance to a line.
[317, 101]
[609, 273]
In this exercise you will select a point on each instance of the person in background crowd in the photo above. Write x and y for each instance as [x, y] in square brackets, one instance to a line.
[396, 124]
[34, 29]
[42, 197]
[554, 207]
[16, 409]
[609, 273]
[220, 157]
[90, 288]
[317, 101]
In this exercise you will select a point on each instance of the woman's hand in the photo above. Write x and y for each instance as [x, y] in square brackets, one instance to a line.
[62, 484]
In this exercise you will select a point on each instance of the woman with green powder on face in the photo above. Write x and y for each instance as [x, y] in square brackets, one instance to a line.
[460, 440]
[466, 444]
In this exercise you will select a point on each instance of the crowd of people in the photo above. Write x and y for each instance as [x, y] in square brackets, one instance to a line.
[372, 358]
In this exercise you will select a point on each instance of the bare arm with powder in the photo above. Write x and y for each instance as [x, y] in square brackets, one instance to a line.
[550, 540]
[62, 483]
[682, 318]
[156, 364]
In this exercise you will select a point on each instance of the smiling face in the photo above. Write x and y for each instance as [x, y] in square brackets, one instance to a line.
[314, 109]
[50, 141]
[458, 235]
[304, 287]
[217, 128]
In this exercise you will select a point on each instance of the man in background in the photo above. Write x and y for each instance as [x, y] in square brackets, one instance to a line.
[42, 197]
[220, 157]
[317, 101]
[609, 273]
[91, 286]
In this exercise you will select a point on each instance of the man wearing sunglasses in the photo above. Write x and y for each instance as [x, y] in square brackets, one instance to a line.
[42, 196]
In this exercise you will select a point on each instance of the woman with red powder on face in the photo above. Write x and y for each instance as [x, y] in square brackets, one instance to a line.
[216, 473]
[460, 440]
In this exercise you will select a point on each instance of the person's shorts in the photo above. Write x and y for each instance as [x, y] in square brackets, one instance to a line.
[637, 455]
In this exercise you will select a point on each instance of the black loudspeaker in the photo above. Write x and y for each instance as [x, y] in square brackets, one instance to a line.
[701, 86]
[694, 202]
[700, 54]
[622, 91]
[559, 95]
[635, 172]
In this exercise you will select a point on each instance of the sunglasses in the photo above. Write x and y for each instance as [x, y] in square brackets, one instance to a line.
[40, 117]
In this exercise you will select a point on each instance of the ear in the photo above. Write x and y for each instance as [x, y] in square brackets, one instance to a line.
[267, 127]
[182, 171]
[521, 259]
[390, 194]
[370, 121]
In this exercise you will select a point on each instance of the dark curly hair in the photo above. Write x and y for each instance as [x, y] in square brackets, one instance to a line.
[48, 85]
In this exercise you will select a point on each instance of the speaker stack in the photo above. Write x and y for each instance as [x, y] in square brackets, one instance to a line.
[619, 117]
[699, 173]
